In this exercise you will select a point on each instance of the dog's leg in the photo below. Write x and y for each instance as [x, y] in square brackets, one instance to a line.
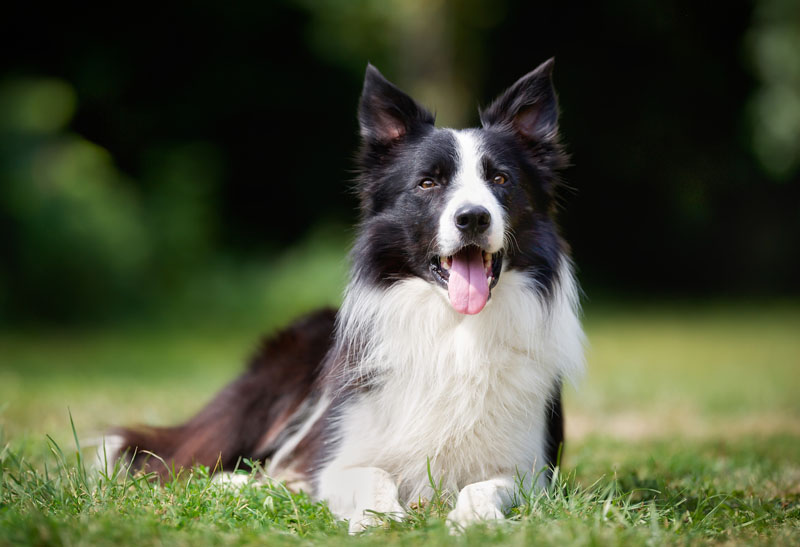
[359, 492]
[483, 501]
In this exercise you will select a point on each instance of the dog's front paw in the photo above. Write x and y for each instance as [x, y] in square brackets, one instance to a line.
[233, 481]
[475, 504]
[361, 519]
[461, 517]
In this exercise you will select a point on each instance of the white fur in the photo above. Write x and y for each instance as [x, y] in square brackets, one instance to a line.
[291, 443]
[232, 481]
[466, 393]
[356, 493]
[469, 188]
[108, 449]
[482, 501]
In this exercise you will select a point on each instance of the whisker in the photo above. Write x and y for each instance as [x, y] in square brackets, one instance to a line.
[510, 237]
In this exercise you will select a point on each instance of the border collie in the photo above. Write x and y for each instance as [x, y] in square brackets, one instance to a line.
[458, 326]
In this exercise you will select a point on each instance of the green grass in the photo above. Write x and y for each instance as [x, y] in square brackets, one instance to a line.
[686, 429]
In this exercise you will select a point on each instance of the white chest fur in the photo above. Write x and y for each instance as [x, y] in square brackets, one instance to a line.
[465, 393]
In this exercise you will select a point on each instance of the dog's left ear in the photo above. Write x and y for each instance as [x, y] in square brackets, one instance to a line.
[529, 107]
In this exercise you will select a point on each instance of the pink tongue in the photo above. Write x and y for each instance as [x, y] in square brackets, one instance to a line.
[468, 286]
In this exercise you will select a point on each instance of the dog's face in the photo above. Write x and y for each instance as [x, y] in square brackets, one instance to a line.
[457, 208]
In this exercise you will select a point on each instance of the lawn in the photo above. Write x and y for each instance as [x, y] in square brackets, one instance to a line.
[685, 429]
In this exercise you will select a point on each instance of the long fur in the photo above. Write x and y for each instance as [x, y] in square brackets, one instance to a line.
[360, 405]
[467, 394]
[250, 417]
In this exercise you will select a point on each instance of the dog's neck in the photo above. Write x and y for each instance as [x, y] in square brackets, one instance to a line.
[410, 329]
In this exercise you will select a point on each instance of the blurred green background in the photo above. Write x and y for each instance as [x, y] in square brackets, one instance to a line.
[174, 181]
[191, 162]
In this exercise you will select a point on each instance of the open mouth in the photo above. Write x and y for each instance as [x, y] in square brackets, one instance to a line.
[469, 276]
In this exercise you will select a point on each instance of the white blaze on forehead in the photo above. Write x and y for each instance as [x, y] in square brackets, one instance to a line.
[469, 187]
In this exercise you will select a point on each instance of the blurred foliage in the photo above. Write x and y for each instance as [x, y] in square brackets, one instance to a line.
[441, 42]
[267, 291]
[186, 174]
[87, 241]
[181, 186]
[79, 237]
[774, 46]
[35, 106]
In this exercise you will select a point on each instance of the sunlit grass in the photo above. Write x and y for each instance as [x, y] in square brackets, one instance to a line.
[705, 492]
[694, 369]
[684, 430]
[718, 358]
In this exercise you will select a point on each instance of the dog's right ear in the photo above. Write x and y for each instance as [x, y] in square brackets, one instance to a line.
[385, 113]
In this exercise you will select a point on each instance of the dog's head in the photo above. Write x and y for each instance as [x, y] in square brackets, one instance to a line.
[457, 208]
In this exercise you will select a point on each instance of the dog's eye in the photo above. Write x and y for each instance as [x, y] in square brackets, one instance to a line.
[425, 184]
[500, 178]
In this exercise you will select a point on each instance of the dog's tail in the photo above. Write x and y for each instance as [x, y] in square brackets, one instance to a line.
[248, 417]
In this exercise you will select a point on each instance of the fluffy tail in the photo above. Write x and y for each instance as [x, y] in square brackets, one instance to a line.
[246, 419]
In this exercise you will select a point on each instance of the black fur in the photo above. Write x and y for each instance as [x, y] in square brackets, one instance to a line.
[555, 429]
[398, 227]
[399, 220]
[249, 416]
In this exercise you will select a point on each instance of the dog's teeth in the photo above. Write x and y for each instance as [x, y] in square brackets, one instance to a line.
[446, 263]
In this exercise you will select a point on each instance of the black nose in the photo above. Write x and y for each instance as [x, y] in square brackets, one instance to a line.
[473, 219]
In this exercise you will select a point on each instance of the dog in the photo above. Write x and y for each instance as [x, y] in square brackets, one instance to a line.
[458, 326]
